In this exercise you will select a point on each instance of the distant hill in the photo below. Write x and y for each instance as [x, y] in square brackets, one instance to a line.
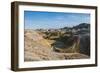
[82, 25]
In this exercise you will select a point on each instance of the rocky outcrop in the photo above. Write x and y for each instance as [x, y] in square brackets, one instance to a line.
[37, 48]
[85, 44]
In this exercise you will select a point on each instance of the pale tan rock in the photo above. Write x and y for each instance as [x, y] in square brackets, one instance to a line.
[37, 48]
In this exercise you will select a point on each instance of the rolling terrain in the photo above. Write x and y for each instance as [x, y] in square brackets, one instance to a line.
[56, 45]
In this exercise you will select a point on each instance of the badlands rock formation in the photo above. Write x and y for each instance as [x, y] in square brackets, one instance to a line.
[37, 48]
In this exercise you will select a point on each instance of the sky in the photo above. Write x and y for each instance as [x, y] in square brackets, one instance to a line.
[54, 20]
